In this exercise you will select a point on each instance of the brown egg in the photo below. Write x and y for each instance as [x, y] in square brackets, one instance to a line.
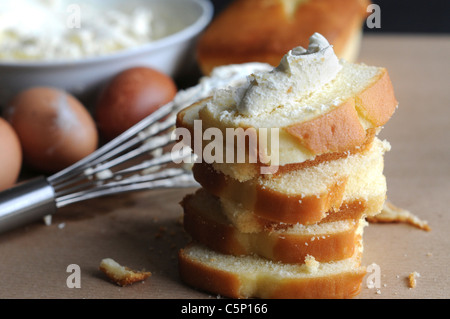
[54, 128]
[10, 155]
[130, 97]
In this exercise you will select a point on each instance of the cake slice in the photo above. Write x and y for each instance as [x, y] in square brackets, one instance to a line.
[337, 117]
[306, 195]
[257, 277]
[205, 222]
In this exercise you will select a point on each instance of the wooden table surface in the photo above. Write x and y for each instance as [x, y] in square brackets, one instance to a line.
[143, 230]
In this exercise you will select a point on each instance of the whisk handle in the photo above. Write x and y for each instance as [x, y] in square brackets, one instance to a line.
[25, 203]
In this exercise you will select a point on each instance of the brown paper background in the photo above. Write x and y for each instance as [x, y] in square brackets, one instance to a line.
[143, 230]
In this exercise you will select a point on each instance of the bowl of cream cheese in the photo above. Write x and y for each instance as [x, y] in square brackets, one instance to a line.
[79, 45]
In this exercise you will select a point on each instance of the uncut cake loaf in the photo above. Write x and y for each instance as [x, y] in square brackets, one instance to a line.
[236, 35]
[289, 222]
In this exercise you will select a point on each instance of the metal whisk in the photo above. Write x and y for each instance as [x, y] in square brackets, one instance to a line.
[138, 159]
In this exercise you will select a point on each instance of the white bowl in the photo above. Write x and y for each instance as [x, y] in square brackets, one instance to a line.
[82, 77]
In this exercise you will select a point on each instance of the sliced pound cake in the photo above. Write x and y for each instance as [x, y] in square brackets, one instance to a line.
[306, 195]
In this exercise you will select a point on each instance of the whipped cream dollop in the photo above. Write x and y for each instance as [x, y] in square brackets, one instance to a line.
[300, 72]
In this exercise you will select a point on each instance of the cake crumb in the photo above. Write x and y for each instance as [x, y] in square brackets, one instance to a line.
[412, 279]
[311, 263]
[121, 275]
[393, 214]
[47, 220]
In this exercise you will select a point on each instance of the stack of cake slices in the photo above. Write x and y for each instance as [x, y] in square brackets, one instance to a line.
[296, 232]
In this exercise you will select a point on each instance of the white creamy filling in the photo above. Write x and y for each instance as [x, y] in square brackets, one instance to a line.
[222, 77]
[56, 29]
[300, 72]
